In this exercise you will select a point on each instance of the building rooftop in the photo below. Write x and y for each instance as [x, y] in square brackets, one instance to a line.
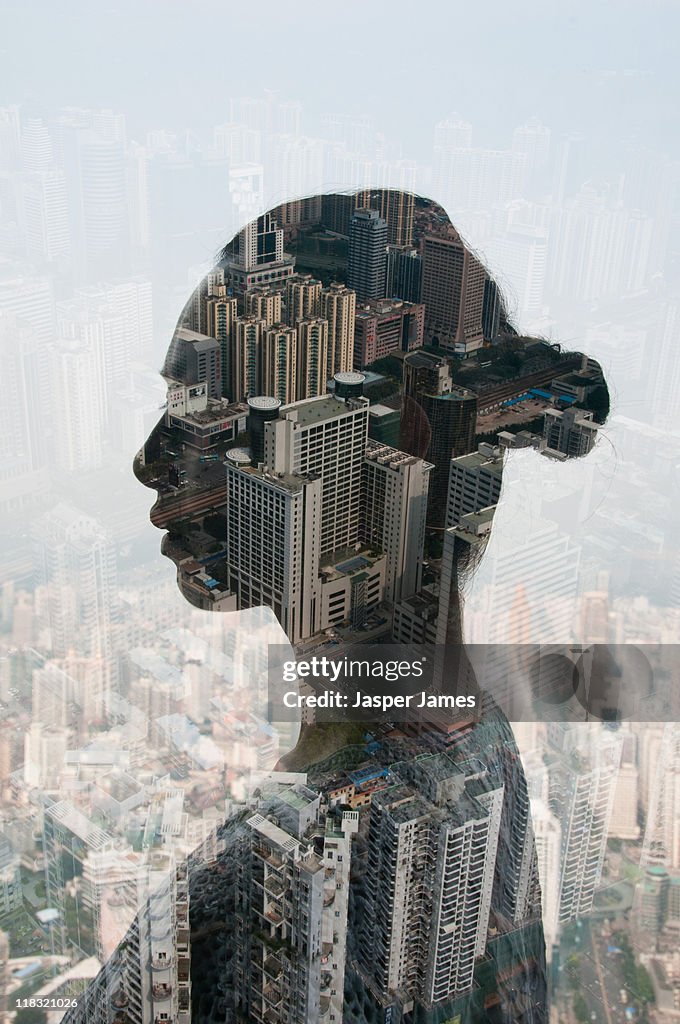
[315, 410]
[199, 341]
[288, 482]
[475, 460]
[475, 526]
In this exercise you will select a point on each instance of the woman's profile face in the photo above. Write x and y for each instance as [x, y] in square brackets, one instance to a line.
[342, 391]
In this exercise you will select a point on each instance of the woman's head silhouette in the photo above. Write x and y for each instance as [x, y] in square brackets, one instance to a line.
[321, 379]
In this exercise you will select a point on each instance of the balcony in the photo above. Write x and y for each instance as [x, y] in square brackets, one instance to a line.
[161, 991]
[274, 885]
[326, 979]
[183, 968]
[272, 994]
[273, 967]
[270, 856]
[273, 914]
[119, 1001]
[162, 963]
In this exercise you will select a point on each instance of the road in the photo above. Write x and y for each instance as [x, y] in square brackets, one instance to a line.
[599, 978]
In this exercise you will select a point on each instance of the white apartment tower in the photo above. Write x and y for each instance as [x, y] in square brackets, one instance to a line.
[432, 843]
[394, 513]
[326, 437]
[474, 482]
[291, 910]
[583, 779]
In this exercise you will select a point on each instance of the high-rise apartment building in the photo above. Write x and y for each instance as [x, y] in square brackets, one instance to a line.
[76, 560]
[325, 437]
[548, 841]
[312, 356]
[624, 820]
[221, 315]
[310, 505]
[264, 304]
[367, 255]
[338, 307]
[432, 841]
[438, 422]
[247, 356]
[280, 363]
[453, 293]
[582, 790]
[303, 298]
[474, 482]
[394, 512]
[43, 206]
[568, 432]
[156, 972]
[291, 910]
[385, 326]
[397, 209]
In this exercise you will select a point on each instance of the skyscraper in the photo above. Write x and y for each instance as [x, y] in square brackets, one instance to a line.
[291, 909]
[367, 255]
[396, 207]
[310, 504]
[404, 273]
[432, 841]
[438, 423]
[338, 306]
[246, 372]
[76, 560]
[453, 293]
[312, 356]
[221, 323]
[279, 363]
[399, 482]
[258, 258]
[582, 789]
[303, 298]
[265, 304]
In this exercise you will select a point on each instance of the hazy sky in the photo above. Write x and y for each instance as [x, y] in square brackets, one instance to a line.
[171, 64]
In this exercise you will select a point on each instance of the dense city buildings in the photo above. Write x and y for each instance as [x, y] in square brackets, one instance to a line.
[398, 878]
